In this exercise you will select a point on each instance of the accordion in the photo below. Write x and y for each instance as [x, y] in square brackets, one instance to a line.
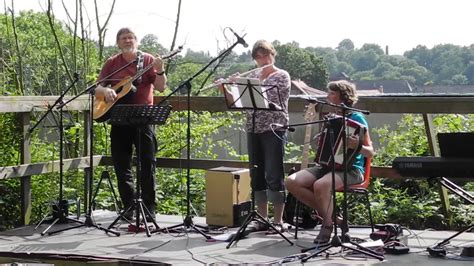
[324, 153]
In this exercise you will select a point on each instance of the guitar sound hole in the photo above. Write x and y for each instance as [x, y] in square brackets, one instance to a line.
[119, 90]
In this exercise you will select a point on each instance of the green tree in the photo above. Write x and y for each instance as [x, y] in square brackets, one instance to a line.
[384, 69]
[469, 72]
[197, 57]
[302, 64]
[372, 47]
[364, 60]
[344, 50]
[346, 45]
[459, 79]
[343, 67]
[422, 55]
[149, 43]
[44, 73]
[179, 74]
[410, 68]
[329, 56]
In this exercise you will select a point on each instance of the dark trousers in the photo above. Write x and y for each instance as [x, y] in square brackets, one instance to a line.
[123, 138]
[266, 151]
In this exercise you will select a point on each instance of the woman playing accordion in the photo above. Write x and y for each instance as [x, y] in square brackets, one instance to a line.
[312, 186]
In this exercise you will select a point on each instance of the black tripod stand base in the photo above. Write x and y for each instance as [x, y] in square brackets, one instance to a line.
[254, 215]
[186, 224]
[336, 242]
[60, 220]
[439, 250]
[87, 223]
[141, 211]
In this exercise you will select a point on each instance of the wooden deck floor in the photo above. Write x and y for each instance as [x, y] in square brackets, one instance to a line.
[90, 246]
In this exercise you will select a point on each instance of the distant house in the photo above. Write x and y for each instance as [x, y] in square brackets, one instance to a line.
[441, 89]
[299, 87]
[369, 92]
[384, 86]
[339, 76]
[371, 87]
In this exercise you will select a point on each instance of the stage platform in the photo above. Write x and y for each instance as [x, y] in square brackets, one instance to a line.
[90, 246]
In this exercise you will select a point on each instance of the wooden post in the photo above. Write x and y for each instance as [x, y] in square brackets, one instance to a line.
[434, 148]
[25, 186]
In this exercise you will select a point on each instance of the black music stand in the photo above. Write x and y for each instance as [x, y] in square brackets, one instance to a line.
[336, 241]
[139, 116]
[249, 94]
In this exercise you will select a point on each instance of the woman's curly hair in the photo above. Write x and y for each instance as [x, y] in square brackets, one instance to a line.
[346, 89]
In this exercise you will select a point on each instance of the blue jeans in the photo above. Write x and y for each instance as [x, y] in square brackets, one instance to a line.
[266, 151]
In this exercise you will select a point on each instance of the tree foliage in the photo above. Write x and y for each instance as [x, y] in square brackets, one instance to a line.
[415, 203]
[45, 71]
[302, 64]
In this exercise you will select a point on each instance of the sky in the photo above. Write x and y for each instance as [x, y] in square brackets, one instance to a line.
[399, 24]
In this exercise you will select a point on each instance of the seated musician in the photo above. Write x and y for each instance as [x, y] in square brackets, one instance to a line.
[312, 186]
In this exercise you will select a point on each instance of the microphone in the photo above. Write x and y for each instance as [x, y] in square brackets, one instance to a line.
[239, 39]
[310, 99]
[344, 106]
[287, 127]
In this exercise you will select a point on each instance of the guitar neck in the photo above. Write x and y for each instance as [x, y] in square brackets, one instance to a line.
[309, 116]
[145, 69]
[141, 72]
[306, 146]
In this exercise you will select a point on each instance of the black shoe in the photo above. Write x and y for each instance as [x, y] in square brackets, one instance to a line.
[257, 226]
[324, 235]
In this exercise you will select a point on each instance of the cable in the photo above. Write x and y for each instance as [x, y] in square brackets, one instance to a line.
[285, 141]
[415, 235]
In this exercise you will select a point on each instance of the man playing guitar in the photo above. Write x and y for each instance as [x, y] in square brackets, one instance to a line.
[124, 137]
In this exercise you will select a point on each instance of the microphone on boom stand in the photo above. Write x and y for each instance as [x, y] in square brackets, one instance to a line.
[240, 39]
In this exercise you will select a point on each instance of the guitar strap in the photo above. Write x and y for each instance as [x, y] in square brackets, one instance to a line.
[139, 66]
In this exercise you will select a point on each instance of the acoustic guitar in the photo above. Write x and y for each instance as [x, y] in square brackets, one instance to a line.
[101, 111]
[310, 116]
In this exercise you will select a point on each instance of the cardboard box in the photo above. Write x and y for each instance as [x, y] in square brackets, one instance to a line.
[227, 196]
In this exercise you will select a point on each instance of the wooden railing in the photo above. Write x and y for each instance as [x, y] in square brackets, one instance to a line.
[24, 106]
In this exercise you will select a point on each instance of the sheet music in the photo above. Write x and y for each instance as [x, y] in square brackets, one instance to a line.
[241, 94]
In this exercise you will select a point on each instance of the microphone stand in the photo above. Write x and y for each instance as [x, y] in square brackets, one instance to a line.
[60, 212]
[188, 221]
[336, 240]
[89, 221]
